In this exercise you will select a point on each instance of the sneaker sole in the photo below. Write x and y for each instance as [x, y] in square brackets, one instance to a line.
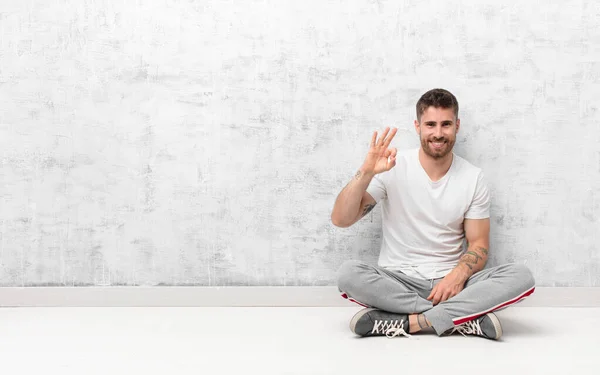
[497, 325]
[357, 317]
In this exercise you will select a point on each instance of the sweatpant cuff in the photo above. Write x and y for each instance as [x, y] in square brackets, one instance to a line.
[439, 319]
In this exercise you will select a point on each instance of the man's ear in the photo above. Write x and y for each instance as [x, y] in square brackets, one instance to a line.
[457, 125]
[417, 128]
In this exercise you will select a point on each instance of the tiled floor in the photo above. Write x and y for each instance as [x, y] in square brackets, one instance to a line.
[284, 341]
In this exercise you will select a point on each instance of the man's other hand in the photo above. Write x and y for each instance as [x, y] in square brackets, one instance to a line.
[451, 285]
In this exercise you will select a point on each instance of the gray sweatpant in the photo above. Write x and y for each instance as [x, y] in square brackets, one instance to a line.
[486, 291]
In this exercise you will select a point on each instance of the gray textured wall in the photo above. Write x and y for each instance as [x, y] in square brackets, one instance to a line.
[204, 142]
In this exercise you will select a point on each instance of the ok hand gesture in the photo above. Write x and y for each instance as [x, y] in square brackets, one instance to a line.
[381, 158]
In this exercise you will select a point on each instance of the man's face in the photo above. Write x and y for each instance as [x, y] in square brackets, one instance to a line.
[437, 131]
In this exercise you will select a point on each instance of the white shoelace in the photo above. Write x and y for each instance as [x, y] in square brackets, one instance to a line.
[469, 328]
[391, 328]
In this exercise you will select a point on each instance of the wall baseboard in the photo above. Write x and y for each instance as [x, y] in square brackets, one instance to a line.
[327, 296]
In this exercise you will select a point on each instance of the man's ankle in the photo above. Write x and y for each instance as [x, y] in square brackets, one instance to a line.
[417, 322]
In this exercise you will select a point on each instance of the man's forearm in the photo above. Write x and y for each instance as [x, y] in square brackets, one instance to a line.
[348, 201]
[473, 260]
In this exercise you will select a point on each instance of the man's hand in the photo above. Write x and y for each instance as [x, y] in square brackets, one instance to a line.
[451, 285]
[380, 158]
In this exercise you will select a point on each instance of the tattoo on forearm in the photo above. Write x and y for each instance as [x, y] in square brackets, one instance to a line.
[356, 177]
[472, 257]
[477, 256]
[368, 208]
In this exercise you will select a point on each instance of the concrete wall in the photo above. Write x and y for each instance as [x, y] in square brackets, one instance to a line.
[204, 142]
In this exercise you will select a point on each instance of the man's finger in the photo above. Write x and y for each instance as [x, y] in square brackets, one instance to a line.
[390, 137]
[446, 296]
[381, 140]
[391, 163]
[437, 297]
[432, 293]
[373, 139]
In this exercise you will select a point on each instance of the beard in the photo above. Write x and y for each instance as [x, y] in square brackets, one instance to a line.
[437, 153]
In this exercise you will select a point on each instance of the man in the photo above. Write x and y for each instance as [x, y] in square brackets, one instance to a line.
[432, 200]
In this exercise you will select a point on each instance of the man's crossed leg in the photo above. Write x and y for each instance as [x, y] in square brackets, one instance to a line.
[396, 304]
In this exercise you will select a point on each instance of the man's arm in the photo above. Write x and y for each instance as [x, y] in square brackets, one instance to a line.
[477, 232]
[353, 202]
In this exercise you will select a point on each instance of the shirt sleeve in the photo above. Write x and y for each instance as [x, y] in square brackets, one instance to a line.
[480, 205]
[377, 188]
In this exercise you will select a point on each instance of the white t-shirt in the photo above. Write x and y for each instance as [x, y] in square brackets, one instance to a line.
[423, 233]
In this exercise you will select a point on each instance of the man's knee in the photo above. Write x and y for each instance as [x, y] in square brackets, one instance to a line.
[349, 275]
[523, 275]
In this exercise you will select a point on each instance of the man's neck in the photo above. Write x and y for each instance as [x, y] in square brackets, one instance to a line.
[436, 169]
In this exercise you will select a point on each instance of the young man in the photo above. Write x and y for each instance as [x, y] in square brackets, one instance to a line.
[432, 200]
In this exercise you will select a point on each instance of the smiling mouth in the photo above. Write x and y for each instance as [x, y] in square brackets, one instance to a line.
[437, 145]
